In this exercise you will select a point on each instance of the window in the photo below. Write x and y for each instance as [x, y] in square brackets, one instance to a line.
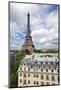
[47, 77]
[20, 68]
[47, 83]
[20, 74]
[58, 63]
[34, 82]
[42, 83]
[28, 69]
[36, 69]
[42, 77]
[28, 74]
[58, 78]
[24, 64]
[20, 80]
[28, 81]
[37, 82]
[53, 79]
[53, 83]
[51, 63]
[36, 61]
[46, 63]
[24, 74]
[34, 75]
[41, 69]
[41, 63]
[24, 81]
[57, 70]
[37, 75]
[46, 70]
[52, 70]
[41, 56]
[31, 67]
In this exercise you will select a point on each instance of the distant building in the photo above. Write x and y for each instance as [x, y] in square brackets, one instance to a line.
[28, 46]
[12, 60]
[12, 54]
[39, 69]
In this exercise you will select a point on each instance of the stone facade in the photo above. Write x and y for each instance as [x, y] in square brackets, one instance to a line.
[39, 69]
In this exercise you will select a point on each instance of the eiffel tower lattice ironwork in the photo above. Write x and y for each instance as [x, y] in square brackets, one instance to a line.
[28, 44]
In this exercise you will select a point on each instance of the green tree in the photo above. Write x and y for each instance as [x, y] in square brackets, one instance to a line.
[13, 75]
[19, 56]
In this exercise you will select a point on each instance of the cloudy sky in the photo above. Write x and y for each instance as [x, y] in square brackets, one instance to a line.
[43, 22]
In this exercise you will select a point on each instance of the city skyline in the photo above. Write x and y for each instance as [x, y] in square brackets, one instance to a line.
[43, 22]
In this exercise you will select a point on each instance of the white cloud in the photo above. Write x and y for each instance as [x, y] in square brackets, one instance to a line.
[52, 20]
[45, 37]
[39, 33]
[16, 36]
[44, 24]
[48, 33]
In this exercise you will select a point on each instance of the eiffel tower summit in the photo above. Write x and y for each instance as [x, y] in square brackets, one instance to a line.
[28, 46]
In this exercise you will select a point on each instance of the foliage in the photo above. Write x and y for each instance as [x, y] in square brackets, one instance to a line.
[19, 57]
[13, 80]
[13, 75]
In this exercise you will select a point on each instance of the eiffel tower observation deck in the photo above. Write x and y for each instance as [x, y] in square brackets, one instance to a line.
[28, 46]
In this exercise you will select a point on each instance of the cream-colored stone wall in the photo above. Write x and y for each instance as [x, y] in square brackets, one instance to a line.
[32, 78]
[38, 72]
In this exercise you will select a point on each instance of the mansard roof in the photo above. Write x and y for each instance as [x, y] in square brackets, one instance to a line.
[38, 63]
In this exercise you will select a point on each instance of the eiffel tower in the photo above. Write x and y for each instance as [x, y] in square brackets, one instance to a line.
[28, 44]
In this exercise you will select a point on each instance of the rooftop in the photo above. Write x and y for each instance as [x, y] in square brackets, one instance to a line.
[38, 61]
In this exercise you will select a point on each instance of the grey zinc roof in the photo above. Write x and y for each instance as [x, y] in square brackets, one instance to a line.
[39, 62]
